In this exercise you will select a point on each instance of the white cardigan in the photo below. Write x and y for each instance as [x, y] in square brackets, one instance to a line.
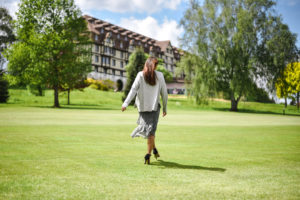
[148, 96]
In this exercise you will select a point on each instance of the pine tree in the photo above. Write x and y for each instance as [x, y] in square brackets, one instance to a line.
[136, 63]
[6, 38]
[4, 95]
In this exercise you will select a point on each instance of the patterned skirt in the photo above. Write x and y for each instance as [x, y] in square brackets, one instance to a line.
[147, 124]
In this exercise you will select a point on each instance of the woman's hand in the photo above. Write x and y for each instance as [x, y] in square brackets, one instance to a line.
[123, 109]
[164, 114]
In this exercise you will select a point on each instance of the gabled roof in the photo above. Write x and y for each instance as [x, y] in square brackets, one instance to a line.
[163, 44]
[95, 24]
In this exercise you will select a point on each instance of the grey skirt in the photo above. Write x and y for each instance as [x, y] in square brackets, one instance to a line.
[147, 124]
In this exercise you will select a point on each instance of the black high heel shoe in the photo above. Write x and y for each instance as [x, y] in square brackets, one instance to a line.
[147, 159]
[156, 154]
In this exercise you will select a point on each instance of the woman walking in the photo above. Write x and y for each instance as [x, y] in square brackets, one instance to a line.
[148, 85]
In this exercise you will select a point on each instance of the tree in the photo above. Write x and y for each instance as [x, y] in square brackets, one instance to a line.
[6, 33]
[53, 47]
[223, 38]
[136, 63]
[167, 75]
[4, 95]
[289, 82]
[6, 38]
[279, 49]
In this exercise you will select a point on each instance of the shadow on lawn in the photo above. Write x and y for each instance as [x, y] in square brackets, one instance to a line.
[167, 164]
[79, 107]
[241, 110]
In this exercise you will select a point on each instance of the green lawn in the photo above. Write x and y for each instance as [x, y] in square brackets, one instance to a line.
[84, 150]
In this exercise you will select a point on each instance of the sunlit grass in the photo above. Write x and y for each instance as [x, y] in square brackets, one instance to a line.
[84, 151]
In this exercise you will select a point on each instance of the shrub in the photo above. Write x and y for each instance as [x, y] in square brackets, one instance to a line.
[37, 90]
[104, 85]
[109, 83]
[4, 95]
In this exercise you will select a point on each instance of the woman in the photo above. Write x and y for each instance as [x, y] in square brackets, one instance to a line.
[148, 85]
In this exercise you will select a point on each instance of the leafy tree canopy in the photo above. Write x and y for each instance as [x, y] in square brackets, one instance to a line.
[226, 40]
[53, 47]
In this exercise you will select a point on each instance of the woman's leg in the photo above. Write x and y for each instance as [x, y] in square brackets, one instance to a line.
[150, 143]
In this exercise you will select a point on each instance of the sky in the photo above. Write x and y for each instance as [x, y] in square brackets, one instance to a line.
[158, 19]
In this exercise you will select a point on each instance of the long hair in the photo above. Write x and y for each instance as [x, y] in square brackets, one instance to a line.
[148, 71]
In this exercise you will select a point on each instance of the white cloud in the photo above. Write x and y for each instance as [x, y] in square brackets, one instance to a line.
[122, 6]
[119, 6]
[11, 5]
[149, 26]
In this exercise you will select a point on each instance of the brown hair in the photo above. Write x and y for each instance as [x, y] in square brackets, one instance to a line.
[148, 71]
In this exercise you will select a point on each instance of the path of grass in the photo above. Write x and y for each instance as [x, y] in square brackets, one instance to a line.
[85, 152]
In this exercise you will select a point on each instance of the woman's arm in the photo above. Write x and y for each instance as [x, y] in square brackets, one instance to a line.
[164, 95]
[134, 88]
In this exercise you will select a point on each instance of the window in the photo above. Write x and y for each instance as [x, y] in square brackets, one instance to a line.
[96, 58]
[121, 45]
[105, 70]
[96, 37]
[113, 72]
[121, 73]
[101, 30]
[118, 36]
[121, 64]
[113, 62]
[105, 60]
[121, 54]
[126, 38]
[107, 50]
[113, 51]
[96, 48]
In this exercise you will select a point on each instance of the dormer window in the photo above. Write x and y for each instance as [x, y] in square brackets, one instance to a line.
[108, 37]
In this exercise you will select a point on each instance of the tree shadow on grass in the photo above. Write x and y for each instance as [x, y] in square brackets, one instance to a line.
[241, 110]
[79, 107]
[167, 164]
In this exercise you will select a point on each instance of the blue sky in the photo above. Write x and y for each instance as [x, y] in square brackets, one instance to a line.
[158, 19]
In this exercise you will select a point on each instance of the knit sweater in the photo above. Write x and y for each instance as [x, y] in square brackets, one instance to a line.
[148, 96]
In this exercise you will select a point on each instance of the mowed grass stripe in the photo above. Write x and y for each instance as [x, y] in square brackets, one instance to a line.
[87, 153]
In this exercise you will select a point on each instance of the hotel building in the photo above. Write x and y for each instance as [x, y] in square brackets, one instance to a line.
[112, 46]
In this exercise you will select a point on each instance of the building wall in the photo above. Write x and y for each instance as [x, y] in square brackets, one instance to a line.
[113, 46]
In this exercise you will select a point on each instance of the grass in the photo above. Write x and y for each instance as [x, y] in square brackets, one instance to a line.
[84, 150]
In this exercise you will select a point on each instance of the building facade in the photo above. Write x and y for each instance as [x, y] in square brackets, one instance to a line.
[112, 46]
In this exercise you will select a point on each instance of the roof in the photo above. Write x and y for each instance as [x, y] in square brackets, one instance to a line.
[163, 44]
[95, 24]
